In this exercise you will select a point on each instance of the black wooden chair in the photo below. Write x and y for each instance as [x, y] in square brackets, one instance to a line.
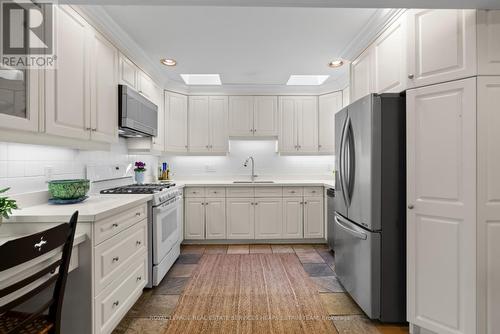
[19, 251]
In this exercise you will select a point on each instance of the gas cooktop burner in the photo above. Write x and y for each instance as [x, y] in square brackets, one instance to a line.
[148, 188]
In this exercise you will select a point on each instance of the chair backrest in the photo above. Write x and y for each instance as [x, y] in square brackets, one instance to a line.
[22, 250]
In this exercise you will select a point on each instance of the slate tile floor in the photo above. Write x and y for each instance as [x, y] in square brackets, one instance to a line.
[148, 315]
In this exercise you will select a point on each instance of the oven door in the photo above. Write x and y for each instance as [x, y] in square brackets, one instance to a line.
[165, 228]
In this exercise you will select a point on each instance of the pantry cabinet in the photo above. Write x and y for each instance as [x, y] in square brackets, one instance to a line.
[299, 124]
[268, 218]
[441, 45]
[176, 122]
[329, 104]
[253, 116]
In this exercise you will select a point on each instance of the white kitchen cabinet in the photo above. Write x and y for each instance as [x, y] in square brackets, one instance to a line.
[346, 95]
[207, 125]
[265, 116]
[329, 104]
[241, 115]
[253, 116]
[361, 75]
[67, 100]
[441, 45]
[389, 59]
[299, 124]
[176, 122]
[314, 222]
[488, 42]
[441, 194]
[215, 218]
[194, 227]
[146, 85]
[159, 139]
[293, 213]
[128, 72]
[104, 91]
[268, 218]
[240, 215]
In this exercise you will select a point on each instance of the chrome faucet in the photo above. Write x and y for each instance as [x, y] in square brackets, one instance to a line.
[252, 176]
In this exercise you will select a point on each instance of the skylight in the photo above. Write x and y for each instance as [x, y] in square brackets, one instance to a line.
[201, 79]
[306, 80]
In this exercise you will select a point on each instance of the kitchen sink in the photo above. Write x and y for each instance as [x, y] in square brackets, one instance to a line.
[249, 182]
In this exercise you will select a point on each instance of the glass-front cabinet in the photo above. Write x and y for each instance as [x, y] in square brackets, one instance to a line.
[19, 99]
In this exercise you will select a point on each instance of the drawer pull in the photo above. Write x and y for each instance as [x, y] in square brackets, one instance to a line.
[305, 202]
[114, 225]
[116, 259]
[314, 191]
[138, 243]
[194, 192]
[293, 191]
[116, 303]
[137, 213]
[139, 278]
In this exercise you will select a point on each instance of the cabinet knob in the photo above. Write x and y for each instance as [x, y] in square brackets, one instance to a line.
[411, 76]
[116, 259]
[251, 130]
[139, 278]
[137, 213]
[319, 146]
[115, 225]
[116, 303]
[410, 206]
[138, 243]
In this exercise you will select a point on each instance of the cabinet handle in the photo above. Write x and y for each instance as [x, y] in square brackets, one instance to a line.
[305, 202]
[139, 278]
[293, 191]
[94, 129]
[138, 243]
[116, 259]
[319, 146]
[88, 129]
[206, 146]
[254, 130]
[137, 213]
[251, 130]
[116, 303]
[185, 146]
[410, 206]
[411, 76]
[314, 191]
[114, 225]
[302, 203]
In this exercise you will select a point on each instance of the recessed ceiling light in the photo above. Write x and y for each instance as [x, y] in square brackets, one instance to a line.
[201, 79]
[336, 63]
[307, 80]
[168, 62]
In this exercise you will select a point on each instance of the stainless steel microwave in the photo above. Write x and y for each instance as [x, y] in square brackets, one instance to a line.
[137, 116]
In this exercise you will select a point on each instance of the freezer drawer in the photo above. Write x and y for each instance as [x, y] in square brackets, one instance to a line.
[357, 263]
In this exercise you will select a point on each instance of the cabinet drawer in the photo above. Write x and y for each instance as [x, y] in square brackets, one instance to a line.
[240, 192]
[115, 301]
[108, 227]
[215, 192]
[113, 256]
[194, 192]
[268, 191]
[313, 191]
[293, 191]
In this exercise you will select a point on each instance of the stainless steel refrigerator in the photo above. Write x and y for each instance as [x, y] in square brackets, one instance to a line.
[368, 223]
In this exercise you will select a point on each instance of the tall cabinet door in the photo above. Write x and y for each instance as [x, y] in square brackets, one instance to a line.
[307, 124]
[157, 98]
[176, 122]
[269, 218]
[198, 124]
[67, 109]
[215, 218]
[241, 115]
[218, 107]
[265, 116]
[240, 218]
[288, 129]
[488, 43]
[361, 75]
[314, 222]
[442, 45]
[441, 215]
[328, 106]
[194, 227]
[293, 217]
[104, 97]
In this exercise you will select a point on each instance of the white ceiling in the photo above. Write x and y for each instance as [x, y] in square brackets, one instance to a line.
[245, 45]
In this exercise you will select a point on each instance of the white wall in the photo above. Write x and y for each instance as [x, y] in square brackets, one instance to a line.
[23, 167]
[268, 163]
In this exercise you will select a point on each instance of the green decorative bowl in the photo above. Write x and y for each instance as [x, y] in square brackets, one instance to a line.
[68, 189]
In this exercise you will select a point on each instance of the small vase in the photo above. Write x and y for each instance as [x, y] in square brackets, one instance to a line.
[139, 177]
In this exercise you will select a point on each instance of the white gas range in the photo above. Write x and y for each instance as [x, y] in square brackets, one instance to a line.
[165, 215]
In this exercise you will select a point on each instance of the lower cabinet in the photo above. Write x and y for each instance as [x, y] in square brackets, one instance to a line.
[293, 213]
[195, 218]
[314, 222]
[240, 218]
[268, 218]
[215, 218]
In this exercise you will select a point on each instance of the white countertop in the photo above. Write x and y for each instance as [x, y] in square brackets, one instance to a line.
[94, 208]
[79, 238]
[279, 183]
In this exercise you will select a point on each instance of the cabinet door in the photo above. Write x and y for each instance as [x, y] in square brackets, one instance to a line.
[328, 106]
[441, 215]
[389, 59]
[307, 125]
[67, 97]
[215, 218]
[240, 218]
[288, 128]
[146, 85]
[293, 221]
[346, 95]
[488, 43]
[194, 215]
[241, 115]
[218, 106]
[104, 90]
[265, 116]
[176, 115]
[159, 140]
[361, 75]
[269, 218]
[442, 45]
[314, 222]
[198, 124]
[128, 72]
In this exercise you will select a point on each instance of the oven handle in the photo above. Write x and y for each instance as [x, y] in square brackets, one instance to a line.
[342, 224]
[168, 204]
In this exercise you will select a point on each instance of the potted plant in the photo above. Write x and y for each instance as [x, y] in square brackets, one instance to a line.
[6, 205]
[140, 168]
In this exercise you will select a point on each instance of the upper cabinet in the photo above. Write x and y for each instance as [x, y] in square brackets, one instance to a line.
[362, 75]
[253, 116]
[207, 124]
[128, 72]
[488, 42]
[441, 45]
[298, 124]
[176, 122]
[329, 104]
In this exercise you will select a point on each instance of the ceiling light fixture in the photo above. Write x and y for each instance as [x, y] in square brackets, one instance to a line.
[336, 63]
[306, 80]
[168, 62]
[201, 79]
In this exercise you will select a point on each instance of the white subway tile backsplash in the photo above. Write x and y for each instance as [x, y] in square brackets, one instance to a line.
[3, 169]
[3, 151]
[32, 168]
[15, 169]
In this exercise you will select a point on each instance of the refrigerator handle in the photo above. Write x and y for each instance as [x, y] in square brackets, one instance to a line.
[351, 162]
[344, 159]
[357, 234]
